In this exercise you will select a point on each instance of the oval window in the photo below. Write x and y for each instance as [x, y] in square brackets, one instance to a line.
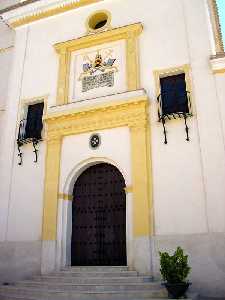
[98, 21]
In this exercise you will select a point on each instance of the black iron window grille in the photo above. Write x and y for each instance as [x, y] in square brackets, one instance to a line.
[30, 130]
[174, 102]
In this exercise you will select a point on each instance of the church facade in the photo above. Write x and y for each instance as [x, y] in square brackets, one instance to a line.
[113, 137]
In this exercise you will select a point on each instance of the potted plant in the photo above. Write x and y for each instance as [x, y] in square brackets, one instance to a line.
[174, 270]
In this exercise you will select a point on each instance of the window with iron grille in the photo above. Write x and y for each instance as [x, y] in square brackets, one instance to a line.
[30, 129]
[174, 101]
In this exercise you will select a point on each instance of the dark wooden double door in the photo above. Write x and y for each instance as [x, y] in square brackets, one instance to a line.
[99, 218]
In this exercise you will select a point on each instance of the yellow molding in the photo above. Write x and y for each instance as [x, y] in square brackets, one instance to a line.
[128, 33]
[219, 71]
[122, 113]
[51, 12]
[140, 176]
[94, 108]
[216, 26]
[2, 50]
[66, 197]
[87, 41]
[52, 171]
[133, 114]
[128, 189]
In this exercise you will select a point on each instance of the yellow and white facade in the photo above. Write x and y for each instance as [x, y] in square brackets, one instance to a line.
[175, 192]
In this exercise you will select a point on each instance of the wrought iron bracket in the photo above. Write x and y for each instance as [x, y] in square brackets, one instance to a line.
[164, 131]
[174, 115]
[35, 142]
[186, 128]
[20, 143]
[20, 154]
[22, 139]
[180, 115]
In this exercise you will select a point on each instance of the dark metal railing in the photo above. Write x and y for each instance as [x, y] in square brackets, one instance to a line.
[180, 107]
[22, 139]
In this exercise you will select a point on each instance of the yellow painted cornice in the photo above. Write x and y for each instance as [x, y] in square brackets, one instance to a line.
[115, 114]
[116, 34]
[219, 71]
[51, 12]
[5, 49]
[95, 108]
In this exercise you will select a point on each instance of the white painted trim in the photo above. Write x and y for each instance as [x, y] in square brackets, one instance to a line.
[34, 8]
[218, 64]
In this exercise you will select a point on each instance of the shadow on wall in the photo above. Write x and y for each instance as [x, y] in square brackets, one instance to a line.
[19, 260]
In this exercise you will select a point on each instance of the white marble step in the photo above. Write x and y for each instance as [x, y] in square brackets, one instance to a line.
[74, 273]
[96, 269]
[90, 287]
[42, 294]
[86, 283]
[92, 280]
[22, 298]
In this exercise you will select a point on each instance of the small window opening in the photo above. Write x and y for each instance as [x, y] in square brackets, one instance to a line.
[98, 20]
[34, 121]
[174, 100]
[100, 24]
[174, 95]
[30, 129]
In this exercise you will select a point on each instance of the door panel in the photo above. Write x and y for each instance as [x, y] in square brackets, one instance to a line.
[99, 217]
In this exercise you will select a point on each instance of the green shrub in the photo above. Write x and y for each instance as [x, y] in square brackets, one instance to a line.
[174, 268]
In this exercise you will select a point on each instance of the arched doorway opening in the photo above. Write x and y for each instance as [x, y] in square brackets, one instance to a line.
[99, 218]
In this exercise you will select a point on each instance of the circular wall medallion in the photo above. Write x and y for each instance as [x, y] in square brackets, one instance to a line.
[95, 141]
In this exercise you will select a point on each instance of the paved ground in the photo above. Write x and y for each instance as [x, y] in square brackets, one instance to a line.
[201, 298]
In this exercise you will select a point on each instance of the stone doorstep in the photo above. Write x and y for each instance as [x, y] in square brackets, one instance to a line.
[88, 283]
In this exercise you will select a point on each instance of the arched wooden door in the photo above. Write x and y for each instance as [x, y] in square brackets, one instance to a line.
[99, 218]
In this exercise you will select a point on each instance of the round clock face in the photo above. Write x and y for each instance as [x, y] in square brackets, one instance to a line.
[94, 141]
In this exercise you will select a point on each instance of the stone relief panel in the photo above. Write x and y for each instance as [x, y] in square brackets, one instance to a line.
[98, 71]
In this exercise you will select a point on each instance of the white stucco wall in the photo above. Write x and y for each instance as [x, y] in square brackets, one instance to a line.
[188, 177]
[6, 54]
[115, 146]
[5, 61]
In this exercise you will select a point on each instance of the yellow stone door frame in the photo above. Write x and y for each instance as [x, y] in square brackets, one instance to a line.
[130, 113]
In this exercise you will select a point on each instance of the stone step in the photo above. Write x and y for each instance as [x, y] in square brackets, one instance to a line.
[74, 273]
[96, 268]
[10, 292]
[91, 287]
[22, 298]
[94, 280]
[191, 296]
